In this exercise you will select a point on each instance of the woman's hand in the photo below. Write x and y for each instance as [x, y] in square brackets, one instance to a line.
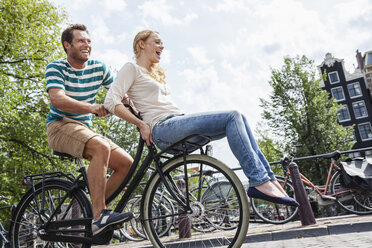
[146, 134]
[126, 115]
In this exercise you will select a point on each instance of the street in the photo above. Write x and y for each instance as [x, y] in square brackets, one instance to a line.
[349, 240]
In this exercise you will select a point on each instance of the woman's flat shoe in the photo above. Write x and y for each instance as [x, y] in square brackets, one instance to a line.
[255, 193]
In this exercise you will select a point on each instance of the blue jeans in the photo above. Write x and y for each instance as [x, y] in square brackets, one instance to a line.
[217, 125]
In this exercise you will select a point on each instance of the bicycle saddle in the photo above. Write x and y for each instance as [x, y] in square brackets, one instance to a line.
[336, 155]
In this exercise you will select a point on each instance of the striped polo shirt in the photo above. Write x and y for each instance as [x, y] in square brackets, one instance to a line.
[79, 84]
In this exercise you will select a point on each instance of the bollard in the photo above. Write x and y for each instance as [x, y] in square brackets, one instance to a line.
[305, 210]
[184, 224]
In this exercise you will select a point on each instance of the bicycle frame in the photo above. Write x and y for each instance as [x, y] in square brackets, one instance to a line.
[153, 155]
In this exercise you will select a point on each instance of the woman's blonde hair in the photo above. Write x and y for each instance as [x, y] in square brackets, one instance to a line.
[156, 72]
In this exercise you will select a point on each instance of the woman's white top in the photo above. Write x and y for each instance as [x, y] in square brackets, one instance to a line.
[150, 97]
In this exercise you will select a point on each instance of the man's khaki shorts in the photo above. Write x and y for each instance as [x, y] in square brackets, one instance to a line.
[70, 136]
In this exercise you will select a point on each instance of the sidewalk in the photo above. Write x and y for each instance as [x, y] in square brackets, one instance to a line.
[323, 226]
[292, 230]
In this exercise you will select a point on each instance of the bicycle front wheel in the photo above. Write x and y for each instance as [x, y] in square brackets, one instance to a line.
[37, 206]
[275, 213]
[228, 200]
[356, 201]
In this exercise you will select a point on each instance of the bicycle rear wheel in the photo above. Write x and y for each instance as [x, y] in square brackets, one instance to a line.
[231, 201]
[30, 214]
[275, 213]
[356, 201]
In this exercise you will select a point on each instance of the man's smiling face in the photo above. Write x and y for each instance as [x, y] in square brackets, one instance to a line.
[80, 47]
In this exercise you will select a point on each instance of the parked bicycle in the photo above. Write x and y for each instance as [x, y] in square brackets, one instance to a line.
[4, 242]
[56, 211]
[133, 230]
[353, 200]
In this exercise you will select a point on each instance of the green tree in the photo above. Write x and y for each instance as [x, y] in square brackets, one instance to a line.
[269, 147]
[29, 34]
[299, 111]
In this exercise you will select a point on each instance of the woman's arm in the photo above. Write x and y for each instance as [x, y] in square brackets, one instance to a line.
[117, 94]
[119, 88]
[123, 113]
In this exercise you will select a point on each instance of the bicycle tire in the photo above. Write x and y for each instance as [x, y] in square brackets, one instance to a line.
[275, 213]
[26, 221]
[356, 201]
[195, 163]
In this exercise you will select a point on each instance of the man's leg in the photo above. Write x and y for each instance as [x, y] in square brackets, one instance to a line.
[97, 151]
[120, 161]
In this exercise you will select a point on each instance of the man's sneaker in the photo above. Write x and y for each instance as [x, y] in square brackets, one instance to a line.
[108, 218]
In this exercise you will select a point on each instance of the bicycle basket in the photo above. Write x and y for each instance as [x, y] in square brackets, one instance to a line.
[357, 173]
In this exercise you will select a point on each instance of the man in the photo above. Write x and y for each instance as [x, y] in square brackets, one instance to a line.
[72, 85]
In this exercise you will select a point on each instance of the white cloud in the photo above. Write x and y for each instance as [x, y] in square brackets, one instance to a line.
[100, 32]
[166, 57]
[112, 57]
[113, 5]
[199, 55]
[231, 6]
[161, 11]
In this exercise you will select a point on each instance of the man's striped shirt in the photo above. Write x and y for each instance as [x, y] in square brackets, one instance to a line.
[79, 84]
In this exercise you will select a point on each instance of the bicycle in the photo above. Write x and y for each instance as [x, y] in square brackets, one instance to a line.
[56, 211]
[4, 242]
[354, 201]
[213, 191]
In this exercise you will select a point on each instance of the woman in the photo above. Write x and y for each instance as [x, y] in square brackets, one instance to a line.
[164, 123]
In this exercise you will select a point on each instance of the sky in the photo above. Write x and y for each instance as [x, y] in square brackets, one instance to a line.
[219, 54]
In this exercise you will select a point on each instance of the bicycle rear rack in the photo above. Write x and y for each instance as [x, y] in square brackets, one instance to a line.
[30, 179]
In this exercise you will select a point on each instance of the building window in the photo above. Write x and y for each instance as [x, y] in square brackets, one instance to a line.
[354, 155]
[365, 131]
[338, 93]
[333, 77]
[354, 90]
[369, 154]
[343, 114]
[369, 59]
[360, 110]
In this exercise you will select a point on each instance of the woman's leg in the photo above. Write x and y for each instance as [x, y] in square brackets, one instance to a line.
[216, 125]
[262, 157]
[257, 150]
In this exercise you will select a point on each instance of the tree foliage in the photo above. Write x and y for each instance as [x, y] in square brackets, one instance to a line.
[29, 34]
[271, 149]
[299, 111]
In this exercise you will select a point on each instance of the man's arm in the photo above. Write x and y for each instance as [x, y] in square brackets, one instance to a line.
[67, 104]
